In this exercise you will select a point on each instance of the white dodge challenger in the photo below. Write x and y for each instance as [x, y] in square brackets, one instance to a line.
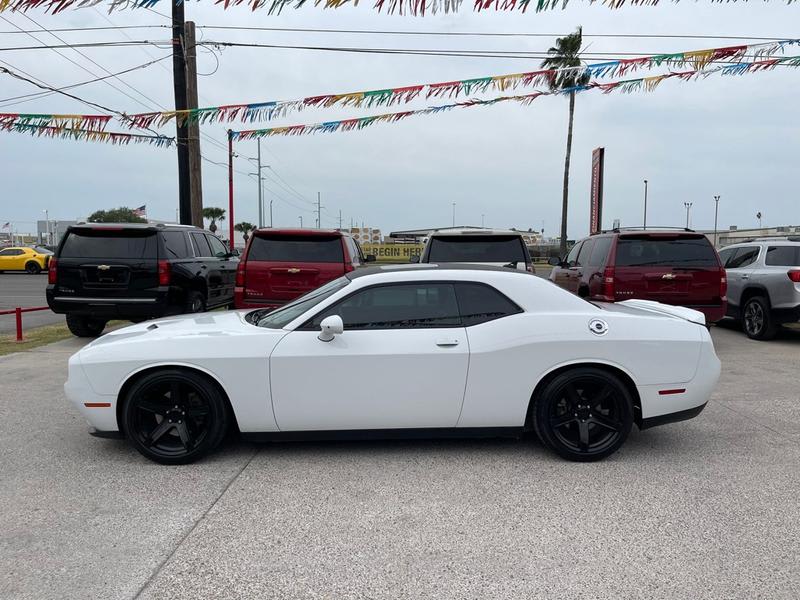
[413, 350]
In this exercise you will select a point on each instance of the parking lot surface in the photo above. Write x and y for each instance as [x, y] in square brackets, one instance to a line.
[707, 508]
[22, 289]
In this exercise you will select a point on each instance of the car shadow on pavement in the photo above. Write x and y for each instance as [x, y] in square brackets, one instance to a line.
[789, 332]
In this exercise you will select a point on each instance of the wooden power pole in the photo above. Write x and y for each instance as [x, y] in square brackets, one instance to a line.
[193, 128]
[181, 103]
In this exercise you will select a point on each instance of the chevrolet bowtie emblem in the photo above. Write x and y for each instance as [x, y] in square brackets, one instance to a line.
[103, 267]
[668, 276]
[292, 270]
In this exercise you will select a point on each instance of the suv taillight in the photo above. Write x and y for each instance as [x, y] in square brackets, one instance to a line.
[794, 275]
[164, 272]
[608, 292]
[723, 283]
[240, 279]
[348, 266]
[51, 270]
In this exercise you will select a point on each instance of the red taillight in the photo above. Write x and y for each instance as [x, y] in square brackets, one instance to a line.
[164, 272]
[608, 291]
[51, 271]
[723, 283]
[348, 266]
[240, 279]
[794, 275]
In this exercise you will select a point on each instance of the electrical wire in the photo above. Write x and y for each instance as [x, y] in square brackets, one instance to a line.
[73, 29]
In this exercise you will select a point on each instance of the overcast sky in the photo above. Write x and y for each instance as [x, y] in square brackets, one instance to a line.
[734, 136]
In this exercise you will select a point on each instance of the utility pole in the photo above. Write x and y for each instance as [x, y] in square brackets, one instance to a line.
[688, 206]
[260, 200]
[716, 212]
[193, 128]
[454, 214]
[482, 219]
[181, 103]
[230, 188]
[340, 219]
[319, 210]
[301, 221]
[644, 220]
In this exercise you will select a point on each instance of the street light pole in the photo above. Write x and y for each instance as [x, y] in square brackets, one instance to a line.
[454, 214]
[716, 213]
[688, 206]
[301, 221]
[644, 220]
[47, 225]
[260, 199]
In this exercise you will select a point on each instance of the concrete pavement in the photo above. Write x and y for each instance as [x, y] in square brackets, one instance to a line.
[702, 509]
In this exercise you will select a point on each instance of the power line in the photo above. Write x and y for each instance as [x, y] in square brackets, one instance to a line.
[71, 29]
[115, 44]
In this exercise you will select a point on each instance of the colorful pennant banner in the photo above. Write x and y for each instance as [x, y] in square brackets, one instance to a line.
[647, 84]
[88, 122]
[411, 7]
[88, 135]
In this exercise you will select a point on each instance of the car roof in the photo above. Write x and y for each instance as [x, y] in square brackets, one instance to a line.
[776, 242]
[428, 267]
[467, 232]
[298, 230]
[146, 226]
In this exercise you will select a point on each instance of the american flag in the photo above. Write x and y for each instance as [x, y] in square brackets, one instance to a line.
[6, 226]
[140, 212]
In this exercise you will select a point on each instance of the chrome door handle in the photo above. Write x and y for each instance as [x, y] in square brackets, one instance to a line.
[446, 343]
[745, 276]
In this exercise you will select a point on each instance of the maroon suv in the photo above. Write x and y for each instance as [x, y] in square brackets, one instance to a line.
[674, 267]
[278, 265]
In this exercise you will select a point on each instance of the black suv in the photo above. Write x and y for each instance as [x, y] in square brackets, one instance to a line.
[104, 271]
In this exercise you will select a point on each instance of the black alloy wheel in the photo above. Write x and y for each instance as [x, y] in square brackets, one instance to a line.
[85, 326]
[195, 303]
[583, 414]
[32, 267]
[174, 416]
[756, 319]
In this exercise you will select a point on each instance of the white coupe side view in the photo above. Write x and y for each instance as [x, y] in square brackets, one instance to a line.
[401, 351]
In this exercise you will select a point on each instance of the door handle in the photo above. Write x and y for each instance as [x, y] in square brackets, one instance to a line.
[446, 343]
[745, 276]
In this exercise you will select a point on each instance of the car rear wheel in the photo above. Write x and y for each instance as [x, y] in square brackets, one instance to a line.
[85, 326]
[756, 319]
[195, 303]
[174, 416]
[32, 267]
[583, 414]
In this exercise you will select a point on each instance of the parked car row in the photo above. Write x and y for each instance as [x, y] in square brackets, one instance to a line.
[31, 259]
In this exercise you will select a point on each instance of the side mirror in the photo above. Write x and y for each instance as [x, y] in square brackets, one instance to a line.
[414, 259]
[554, 261]
[330, 328]
[370, 258]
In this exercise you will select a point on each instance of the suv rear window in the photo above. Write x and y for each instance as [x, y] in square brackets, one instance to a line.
[477, 248]
[296, 248]
[783, 256]
[125, 243]
[646, 251]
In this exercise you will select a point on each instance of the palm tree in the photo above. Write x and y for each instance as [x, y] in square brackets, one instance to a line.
[565, 54]
[213, 214]
[245, 228]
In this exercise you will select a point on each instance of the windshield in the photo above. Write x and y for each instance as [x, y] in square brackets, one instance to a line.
[281, 317]
[477, 248]
[296, 248]
[675, 252]
[105, 244]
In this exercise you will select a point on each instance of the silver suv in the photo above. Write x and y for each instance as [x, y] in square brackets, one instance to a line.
[763, 284]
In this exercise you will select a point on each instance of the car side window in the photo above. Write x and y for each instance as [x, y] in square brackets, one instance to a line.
[725, 256]
[479, 303]
[175, 244]
[744, 256]
[201, 245]
[407, 306]
[352, 250]
[783, 256]
[585, 253]
[218, 249]
[8, 252]
[600, 251]
[572, 257]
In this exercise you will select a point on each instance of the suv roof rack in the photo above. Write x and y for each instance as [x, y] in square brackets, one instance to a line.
[776, 238]
[618, 229]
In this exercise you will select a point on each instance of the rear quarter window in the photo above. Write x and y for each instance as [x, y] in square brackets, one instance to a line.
[110, 244]
[783, 256]
[667, 251]
[175, 245]
[297, 249]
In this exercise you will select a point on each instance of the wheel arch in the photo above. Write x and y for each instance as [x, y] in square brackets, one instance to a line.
[613, 369]
[754, 290]
[136, 375]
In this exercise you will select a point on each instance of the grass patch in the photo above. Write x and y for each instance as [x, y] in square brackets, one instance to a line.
[40, 336]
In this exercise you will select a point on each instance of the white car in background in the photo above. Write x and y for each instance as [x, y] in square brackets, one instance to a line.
[398, 351]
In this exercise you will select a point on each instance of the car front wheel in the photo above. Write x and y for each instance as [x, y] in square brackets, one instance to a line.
[85, 326]
[583, 414]
[756, 319]
[174, 417]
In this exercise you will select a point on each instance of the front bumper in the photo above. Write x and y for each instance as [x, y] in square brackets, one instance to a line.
[99, 410]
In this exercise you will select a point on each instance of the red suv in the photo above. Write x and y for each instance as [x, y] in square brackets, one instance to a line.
[278, 265]
[674, 267]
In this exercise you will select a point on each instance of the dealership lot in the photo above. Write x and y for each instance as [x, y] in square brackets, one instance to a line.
[704, 509]
[22, 289]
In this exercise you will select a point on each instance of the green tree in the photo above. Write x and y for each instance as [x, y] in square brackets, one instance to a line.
[245, 228]
[566, 54]
[123, 214]
[213, 214]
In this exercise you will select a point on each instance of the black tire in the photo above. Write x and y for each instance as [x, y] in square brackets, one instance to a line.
[757, 321]
[195, 302]
[174, 416]
[32, 267]
[85, 326]
[584, 414]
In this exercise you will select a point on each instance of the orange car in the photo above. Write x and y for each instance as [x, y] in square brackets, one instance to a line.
[23, 259]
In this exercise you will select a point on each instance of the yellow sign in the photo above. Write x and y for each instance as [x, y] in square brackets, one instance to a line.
[397, 253]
